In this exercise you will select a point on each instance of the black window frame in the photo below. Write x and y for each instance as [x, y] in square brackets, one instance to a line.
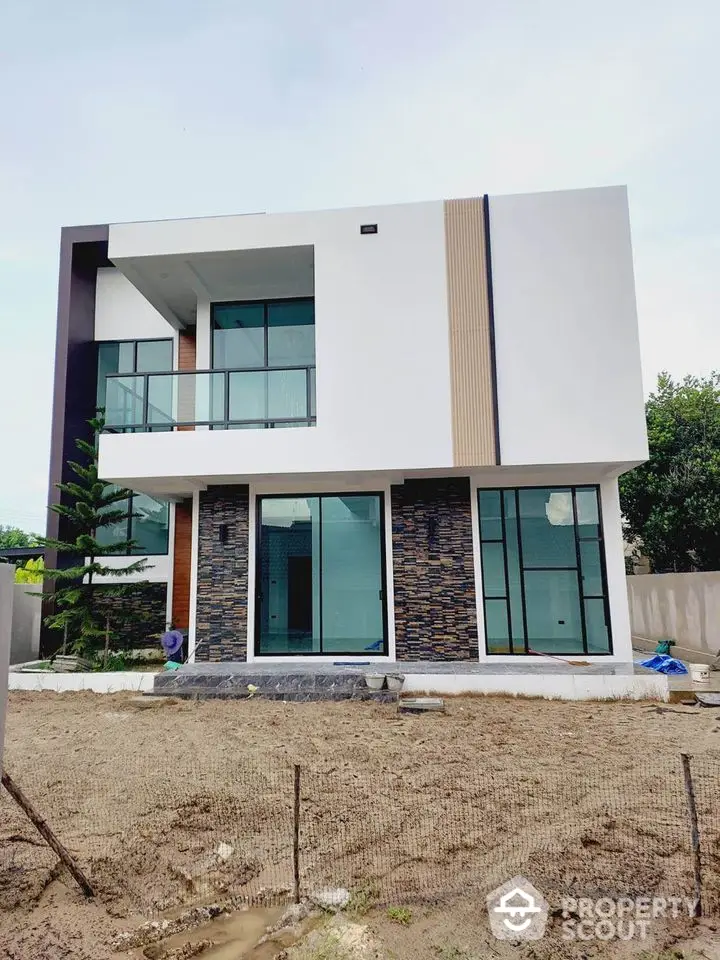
[383, 574]
[249, 303]
[129, 529]
[582, 596]
[134, 371]
[135, 341]
[310, 381]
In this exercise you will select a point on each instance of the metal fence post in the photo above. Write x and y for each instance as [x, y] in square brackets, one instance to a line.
[296, 837]
[694, 832]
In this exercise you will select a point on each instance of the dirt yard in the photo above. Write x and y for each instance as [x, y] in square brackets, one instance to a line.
[172, 805]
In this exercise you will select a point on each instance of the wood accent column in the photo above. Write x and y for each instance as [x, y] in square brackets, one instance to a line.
[471, 360]
[187, 354]
[182, 550]
[182, 560]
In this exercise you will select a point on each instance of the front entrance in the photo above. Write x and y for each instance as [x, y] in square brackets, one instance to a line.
[320, 575]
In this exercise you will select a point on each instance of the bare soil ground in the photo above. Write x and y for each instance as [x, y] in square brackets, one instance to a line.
[175, 804]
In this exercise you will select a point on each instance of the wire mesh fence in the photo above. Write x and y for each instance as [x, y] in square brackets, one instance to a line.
[231, 831]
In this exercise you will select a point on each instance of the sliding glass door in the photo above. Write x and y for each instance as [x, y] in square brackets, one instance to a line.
[320, 575]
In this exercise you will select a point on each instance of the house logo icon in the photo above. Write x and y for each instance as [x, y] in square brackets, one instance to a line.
[517, 911]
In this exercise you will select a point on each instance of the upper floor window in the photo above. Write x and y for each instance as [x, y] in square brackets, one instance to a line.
[130, 356]
[270, 347]
[275, 333]
[148, 519]
[262, 374]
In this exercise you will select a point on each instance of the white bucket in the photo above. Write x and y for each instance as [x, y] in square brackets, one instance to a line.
[376, 681]
[699, 673]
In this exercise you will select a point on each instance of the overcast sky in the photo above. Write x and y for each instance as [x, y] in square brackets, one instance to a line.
[142, 109]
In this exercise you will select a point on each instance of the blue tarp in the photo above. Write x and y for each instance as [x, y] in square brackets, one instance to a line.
[664, 664]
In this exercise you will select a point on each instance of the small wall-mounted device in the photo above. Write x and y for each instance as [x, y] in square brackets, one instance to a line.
[368, 228]
[224, 533]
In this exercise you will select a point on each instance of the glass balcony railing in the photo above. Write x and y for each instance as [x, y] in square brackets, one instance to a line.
[246, 399]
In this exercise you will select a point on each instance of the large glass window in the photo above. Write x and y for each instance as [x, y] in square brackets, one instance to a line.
[320, 575]
[272, 346]
[147, 525]
[543, 570]
[124, 403]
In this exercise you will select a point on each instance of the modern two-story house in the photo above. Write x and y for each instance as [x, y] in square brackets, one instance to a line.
[388, 433]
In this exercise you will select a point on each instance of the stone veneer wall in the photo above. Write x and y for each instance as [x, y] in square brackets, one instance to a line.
[222, 576]
[433, 572]
[142, 613]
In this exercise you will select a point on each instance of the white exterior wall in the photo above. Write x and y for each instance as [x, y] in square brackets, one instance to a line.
[123, 313]
[567, 349]
[568, 354]
[26, 622]
[382, 347]
[615, 567]
[158, 570]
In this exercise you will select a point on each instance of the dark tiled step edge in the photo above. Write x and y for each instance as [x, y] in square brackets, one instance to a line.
[300, 696]
[263, 682]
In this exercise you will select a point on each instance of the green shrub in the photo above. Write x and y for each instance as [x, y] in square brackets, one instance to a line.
[399, 915]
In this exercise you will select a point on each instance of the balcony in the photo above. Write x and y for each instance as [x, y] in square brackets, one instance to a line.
[247, 399]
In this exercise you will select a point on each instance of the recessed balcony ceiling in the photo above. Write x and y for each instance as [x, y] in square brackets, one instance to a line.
[174, 284]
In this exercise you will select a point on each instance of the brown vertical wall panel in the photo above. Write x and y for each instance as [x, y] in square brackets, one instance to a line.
[182, 549]
[187, 350]
[187, 360]
[182, 553]
[471, 361]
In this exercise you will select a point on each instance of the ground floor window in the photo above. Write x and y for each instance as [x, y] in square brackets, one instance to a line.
[320, 575]
[147, 523]
[543, 571]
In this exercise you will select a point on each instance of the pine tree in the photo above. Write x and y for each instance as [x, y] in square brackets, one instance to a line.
[82, 611]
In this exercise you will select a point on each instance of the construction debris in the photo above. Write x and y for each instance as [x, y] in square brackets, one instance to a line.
[421, 705]
[708, 699]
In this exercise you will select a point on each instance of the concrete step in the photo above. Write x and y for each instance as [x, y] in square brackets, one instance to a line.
[276, 685]
[297, 696]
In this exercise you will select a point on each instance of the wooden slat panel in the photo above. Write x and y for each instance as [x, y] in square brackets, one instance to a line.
[187, 359]
[471, 373]
[181, 565]
[187, 350]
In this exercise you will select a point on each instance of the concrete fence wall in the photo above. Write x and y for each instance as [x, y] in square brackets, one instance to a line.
[26, 622]
[684, 607]
[7, 582]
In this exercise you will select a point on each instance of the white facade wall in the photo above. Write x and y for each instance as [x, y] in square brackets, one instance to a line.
[615, 569]
[383, 368]
[568, 367]
[123, 313]
[568, 364]
[158, 569]
[568, 354]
